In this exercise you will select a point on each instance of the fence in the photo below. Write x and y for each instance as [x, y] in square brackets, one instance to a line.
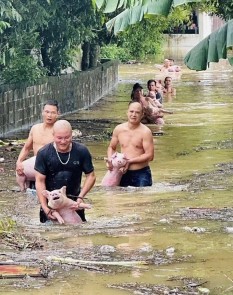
[21, 105]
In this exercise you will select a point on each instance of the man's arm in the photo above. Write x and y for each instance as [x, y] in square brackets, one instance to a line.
[112, 148]
[113, 144]
[87, 186]
[40, 187]
[28, 146]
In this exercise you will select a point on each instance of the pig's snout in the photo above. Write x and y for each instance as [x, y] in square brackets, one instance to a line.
[55, 196]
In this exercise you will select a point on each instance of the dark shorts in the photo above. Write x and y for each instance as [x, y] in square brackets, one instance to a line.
[81, 213]
[32, 185]
[137, 178]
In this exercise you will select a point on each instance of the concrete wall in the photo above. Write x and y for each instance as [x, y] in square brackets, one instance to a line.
[21, 106]
[176, 46]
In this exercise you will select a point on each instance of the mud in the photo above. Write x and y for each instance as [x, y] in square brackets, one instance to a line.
[188, 286]
[26, 243]
[167, 239]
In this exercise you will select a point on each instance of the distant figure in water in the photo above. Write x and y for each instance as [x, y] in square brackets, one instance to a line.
[152, 112]
[168, 87]
[165, 66]
[155, 91]
[169, 66]
[173, 67]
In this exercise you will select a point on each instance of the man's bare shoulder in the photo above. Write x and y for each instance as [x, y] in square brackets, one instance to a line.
[121, 126]
[37, 126]
[144, 128]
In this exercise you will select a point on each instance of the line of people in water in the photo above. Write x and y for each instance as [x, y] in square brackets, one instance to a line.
[61, 162]
[152, 101]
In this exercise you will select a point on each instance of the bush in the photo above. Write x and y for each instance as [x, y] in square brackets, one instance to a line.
[22, 69]
[114, 52]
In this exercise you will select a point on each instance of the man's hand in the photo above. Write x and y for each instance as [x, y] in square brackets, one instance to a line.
[125, 168]
[49, 213]
[109, 164]
[19, 168]
[77, 204]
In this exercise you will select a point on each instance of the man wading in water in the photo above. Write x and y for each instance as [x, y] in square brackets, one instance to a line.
[61, 163]
[136, 142]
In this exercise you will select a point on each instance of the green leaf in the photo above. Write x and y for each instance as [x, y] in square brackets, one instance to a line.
[211, 49]
[140, 9]
[99, 3]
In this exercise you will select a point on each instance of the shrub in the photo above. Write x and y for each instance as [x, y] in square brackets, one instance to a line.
[112, 51]
[22, 69]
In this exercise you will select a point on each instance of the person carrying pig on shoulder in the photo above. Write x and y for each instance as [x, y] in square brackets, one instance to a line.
[136, 142]
[62, 163]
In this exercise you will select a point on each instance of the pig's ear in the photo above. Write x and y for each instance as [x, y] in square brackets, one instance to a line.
[45, 193]
[63, 190]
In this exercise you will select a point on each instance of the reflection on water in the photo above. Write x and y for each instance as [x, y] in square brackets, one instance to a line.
[196, 138]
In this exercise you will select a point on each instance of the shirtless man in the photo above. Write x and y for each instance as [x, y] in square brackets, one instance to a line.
[165, 66]
[40, 134]
[136, 142]
[173, 67]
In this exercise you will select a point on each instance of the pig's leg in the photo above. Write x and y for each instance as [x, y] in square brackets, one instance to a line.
[21, 180]
[84, 206]
[28, 168]
[58, 217]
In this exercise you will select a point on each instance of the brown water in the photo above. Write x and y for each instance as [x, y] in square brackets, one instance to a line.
[141, 224]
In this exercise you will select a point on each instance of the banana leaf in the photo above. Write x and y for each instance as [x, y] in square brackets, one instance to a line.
[216, 46]
[135, 11]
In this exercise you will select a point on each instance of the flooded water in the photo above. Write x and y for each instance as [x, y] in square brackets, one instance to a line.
[177, 231]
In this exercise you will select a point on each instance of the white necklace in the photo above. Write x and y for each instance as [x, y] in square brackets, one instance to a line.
[63, 163]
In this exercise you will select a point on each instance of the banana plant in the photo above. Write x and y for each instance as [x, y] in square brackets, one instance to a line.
[135, 10]
[218, 45]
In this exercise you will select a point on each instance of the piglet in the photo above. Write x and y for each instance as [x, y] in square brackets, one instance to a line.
[29, 174]
[113, 177]
[64, 213]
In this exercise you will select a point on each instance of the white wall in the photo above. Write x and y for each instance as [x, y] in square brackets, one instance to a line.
[205, 24]
[176, 46]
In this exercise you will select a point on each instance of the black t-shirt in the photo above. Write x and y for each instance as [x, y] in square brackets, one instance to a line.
[58, 174]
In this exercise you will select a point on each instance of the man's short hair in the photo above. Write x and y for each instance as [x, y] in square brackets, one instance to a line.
[131, 102]
[51, 102]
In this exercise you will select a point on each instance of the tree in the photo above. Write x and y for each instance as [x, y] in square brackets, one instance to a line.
[7, 13]
[51, 32]
[69, 25]
[145, 38]
[223, 8]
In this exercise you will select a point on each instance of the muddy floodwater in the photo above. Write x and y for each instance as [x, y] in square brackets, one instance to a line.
[175, 237]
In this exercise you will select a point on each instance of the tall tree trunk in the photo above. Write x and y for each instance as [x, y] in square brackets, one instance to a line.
[85, 56]
[94, 55]
[45, 58]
